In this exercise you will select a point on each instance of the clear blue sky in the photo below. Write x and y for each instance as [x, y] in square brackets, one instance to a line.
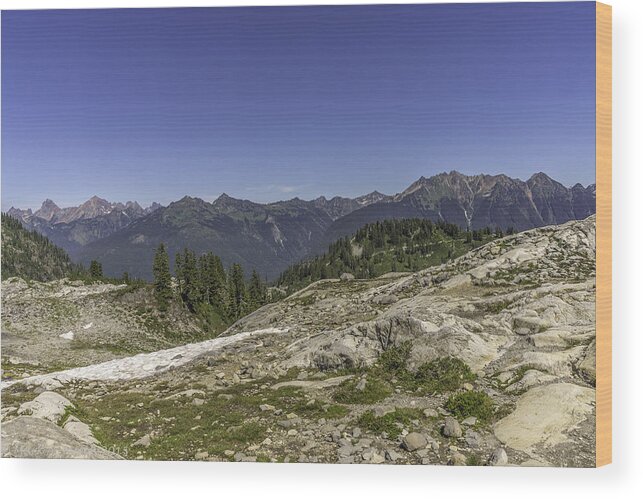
[272, 103]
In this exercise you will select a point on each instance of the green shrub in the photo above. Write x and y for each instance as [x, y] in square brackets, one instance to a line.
[391, 423]
[374, 391]
[477, 404]
[443, 375]
[394, 359]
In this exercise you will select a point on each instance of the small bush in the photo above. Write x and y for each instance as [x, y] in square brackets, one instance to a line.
[443, 374]
[391, 423]
[375, 390]
[477, 404]
[394, 359]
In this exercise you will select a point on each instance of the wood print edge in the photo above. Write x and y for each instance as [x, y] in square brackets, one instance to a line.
[603, 234]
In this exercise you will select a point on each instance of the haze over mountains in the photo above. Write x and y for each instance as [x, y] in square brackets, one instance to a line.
[270, 237]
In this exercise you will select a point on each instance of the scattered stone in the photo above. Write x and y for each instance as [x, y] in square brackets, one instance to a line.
[451, 428]
[414, 441]
[470, 421]
[144, 441]
[380, 411]
[386, 299]
[267, 407]
[346, 276]
[200, 456]
[430, 413]
[498, 457]
[457, 459]
[473, 439]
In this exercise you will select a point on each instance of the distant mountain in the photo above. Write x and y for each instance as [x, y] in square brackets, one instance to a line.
[30, 255]
[73, 227]
[338, 207]
[475, 202]
[267, 237]
[271, 237]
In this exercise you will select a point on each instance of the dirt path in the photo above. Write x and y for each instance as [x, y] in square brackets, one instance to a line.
[143, 364]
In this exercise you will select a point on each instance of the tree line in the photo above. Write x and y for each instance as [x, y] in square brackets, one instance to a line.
[402, 245]
[205, 287]
[30, 255]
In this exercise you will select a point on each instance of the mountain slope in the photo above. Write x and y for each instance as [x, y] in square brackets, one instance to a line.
[406, 245]
[30, 255]
[262, 237]
[73, 227]
[475, 202]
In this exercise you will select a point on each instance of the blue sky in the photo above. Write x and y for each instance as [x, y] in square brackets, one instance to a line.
[273, 103]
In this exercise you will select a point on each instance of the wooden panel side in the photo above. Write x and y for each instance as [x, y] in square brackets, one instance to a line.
[603, 234]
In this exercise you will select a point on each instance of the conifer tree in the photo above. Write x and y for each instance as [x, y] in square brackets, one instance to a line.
[237, 294]
[256, 291]
[162, 277]
[191, 285]
[95, 270]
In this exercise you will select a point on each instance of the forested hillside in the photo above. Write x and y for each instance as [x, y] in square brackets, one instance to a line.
[30, 255]
[388, 246]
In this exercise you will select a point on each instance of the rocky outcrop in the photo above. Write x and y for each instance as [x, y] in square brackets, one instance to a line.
[36, 438]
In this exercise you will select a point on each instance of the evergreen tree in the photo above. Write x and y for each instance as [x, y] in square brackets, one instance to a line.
[178, 272]
[30, 255]
[237, 294]
[95, 270]
[162, 277]
[191, 292]
[256, 291]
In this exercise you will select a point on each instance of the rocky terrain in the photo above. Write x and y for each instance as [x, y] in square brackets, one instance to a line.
[485, 360]
[62, 324]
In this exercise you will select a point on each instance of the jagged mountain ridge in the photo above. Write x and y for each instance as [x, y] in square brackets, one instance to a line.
[75, 226]
[270, 237]
[477, 201]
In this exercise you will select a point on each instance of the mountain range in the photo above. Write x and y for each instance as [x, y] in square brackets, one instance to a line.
[270, 237]
[74, 227]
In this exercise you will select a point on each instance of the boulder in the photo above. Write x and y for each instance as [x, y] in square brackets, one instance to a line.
[414, 441]
[80, 430]
[144, 441]
[38, 438]
[47, 405]
[544, 416]
[451, 428]
[498, 457]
